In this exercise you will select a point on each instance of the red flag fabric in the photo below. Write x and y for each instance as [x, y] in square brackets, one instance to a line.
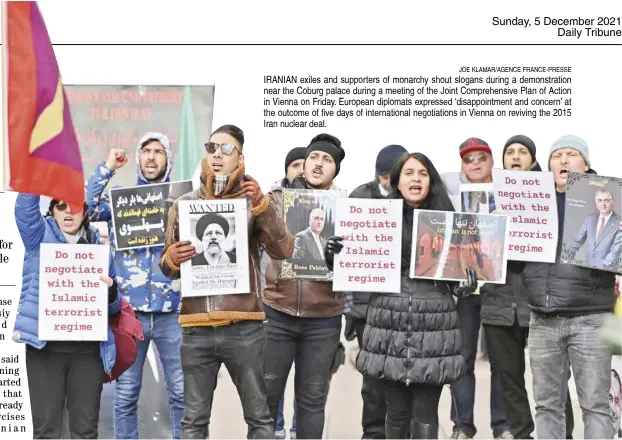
[43, 150]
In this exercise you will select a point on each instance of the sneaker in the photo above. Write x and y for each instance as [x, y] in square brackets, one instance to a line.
[280, 434]
[505, 435]
[457, 434]
[292, 435]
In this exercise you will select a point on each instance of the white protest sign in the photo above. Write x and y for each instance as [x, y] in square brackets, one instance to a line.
[528, 199]
[370, 260]
[73, 301]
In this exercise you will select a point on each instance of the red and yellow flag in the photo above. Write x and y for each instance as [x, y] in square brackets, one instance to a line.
[43, 151]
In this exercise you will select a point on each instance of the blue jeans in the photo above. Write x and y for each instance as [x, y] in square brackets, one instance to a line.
[280, 420]
[556, 344]
[165, 332]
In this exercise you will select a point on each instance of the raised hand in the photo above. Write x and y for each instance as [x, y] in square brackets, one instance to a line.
[466, 288]
[251, 189]
[333, 246]
[116, 159]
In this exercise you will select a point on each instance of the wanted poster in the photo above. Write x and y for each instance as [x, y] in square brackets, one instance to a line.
[218, 229]
[140, 213]
[445, 244]
[592, 236]
[371, 258]
[529, 201]
[310, 217]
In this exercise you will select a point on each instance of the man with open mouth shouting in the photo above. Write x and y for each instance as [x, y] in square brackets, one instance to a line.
[569, 305]
[304, 317]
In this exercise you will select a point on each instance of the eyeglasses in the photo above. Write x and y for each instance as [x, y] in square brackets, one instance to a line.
[474, 157]
[227, 149]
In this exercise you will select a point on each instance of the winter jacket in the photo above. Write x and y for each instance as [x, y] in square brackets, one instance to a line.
[505, 304]
[35, 229]
[413, 336]
[355, 304]
[297, 297]
[265, 228]
[566, 289]
[140, 279]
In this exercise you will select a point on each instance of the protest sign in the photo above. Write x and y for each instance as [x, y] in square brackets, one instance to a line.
[477, 198]
[310, 217]
[592, 236]
[370, 260]
[73, 301]
[140, 213]
[117, 116]
[530, 203]
[445, 244]
[218, 229]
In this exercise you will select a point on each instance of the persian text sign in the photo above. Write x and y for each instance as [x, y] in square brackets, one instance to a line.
[529, 201]
[73, 300]
[370, 260]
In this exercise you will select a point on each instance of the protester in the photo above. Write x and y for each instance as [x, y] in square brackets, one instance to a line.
[477, 163]
[505, 317]
[60, 372]
[569, 305]
[355, 307]
[228, 328]
[294, 162]
[412, 339]
[153, 296]
[304, 316]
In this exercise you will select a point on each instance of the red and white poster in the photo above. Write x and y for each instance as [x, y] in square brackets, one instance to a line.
[528, 199]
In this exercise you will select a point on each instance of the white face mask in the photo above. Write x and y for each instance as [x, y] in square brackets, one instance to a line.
[383, 191]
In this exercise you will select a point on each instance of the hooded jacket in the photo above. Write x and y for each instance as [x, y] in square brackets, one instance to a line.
[304, 298]
[139, 276]
[35, 229]
[266, 229]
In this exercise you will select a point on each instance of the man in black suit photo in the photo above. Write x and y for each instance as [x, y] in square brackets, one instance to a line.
[213, 230]
[309, 244]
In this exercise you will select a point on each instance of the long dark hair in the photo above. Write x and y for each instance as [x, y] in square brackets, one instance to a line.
[437, 199]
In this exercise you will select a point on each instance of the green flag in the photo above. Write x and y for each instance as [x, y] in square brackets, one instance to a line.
[189, 151]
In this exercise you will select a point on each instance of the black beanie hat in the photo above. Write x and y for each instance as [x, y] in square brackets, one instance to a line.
[388, 157]
[294, 154]
[329, 144]
[523, 140]
[207, 220]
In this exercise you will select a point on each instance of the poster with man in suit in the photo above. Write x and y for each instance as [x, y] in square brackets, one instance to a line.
[310, 216]
[592, 236]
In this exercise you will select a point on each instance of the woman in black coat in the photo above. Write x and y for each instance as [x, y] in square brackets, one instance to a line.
[412, 339]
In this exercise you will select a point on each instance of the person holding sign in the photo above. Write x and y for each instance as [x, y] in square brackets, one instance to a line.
[60, 371]
[304, 316]
[226, 328]
[153, 296]
[569, 305]
[412, 339]
[505, 316]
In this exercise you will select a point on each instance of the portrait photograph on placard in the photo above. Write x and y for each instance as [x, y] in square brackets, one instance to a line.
[218, 231]
[477, 198]
[446, 244]
[140, 213]
[310, 217]
[592, 236]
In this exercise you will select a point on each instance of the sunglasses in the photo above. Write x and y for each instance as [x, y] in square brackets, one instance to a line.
[226, 149]
[62, 206]
[474, 157]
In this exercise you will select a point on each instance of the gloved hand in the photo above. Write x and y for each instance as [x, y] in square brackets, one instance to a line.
[251, 189]
[350, 331]
[333, 246]
[339, 359]
[466, 288]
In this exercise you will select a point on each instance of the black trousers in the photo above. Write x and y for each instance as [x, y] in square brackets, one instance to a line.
[56, 378]
[409, 406]
[506, 350]
[372, 391]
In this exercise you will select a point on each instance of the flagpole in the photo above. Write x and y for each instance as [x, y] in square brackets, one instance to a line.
[5, 99]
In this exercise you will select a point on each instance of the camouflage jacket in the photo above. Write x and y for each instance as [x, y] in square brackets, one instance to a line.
[138, 273]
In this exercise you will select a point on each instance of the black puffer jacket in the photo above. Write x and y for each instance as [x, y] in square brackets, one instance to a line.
[413, 336]
[503, 304]
[356, 303]
[566, 289]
